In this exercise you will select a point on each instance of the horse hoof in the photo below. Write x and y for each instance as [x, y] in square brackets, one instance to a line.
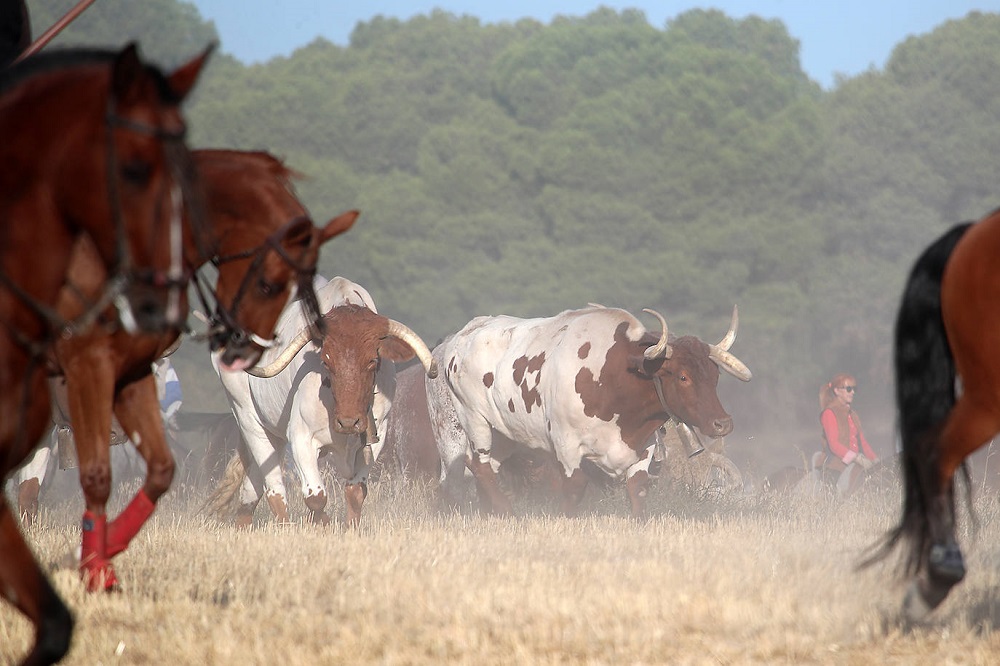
[100, 579]
[945, 564]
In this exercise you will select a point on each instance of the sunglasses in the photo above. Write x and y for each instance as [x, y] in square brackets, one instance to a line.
[849, 389]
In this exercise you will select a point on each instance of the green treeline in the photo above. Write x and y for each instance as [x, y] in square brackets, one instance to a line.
[528, 168]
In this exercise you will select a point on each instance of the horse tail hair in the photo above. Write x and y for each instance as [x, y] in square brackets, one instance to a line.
[222, 503]
[925, 395]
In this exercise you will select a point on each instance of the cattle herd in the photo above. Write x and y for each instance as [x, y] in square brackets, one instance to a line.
[559, 401]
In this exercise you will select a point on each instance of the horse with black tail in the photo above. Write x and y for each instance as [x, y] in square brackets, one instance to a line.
[948, 399]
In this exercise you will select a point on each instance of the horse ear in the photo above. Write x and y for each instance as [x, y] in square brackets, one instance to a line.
[338, 225]
[126, 71]
[184, 77]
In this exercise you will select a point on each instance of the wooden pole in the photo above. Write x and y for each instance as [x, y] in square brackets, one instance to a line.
[56, 28]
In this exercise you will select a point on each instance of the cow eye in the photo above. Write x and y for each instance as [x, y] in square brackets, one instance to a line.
[373, 364]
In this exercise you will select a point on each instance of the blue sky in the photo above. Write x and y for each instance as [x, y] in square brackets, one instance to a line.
[845, 37]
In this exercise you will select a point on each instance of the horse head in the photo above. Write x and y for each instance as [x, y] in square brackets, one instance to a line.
[266, 249]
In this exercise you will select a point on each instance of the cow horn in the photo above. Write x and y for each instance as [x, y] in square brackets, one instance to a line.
[730, 337]
[661, 348]
[174, 346]
[720, 352]
[419, 347]
[285, 357]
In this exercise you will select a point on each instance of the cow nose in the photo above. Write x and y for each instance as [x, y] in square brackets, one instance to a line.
[723, 426]
[349, 425]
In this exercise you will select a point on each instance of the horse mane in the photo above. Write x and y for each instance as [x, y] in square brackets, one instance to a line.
[57, 60]
[273, 166]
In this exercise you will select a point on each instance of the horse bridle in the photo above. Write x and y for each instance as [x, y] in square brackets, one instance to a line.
[222, 325]
[176, 278]
[123, 274]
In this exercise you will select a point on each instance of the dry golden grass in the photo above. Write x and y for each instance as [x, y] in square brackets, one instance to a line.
[743, 581]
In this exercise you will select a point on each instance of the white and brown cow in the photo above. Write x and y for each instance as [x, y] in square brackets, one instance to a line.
[590, 384]
[326, 398]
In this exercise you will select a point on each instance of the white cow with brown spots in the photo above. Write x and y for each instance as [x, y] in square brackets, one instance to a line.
[588, 384]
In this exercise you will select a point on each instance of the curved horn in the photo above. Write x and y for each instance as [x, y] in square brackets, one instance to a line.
[661, 348]
[730, 337]
[174, 346]
[720, 352]
[729, 363]
[285, 357]
[417, 344]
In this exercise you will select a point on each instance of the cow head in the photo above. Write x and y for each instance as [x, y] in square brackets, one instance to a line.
[685, 373]
[355, 342]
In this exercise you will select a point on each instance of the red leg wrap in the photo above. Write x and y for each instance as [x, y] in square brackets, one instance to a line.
[123, 529]
[95, 567]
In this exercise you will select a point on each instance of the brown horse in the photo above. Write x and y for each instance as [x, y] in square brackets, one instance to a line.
[92, 143]
[946, 335]
[264, 246]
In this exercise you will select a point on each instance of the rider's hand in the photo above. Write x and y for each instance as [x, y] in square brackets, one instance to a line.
[865, 462]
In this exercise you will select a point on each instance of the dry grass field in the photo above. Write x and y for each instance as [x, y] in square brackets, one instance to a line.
[745, 580]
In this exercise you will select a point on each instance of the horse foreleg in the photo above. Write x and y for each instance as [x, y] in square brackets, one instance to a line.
[23, 584]
[138, 411]
[90, 386]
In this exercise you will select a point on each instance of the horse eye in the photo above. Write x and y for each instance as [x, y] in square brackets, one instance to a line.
[267, 289]
[137, 172]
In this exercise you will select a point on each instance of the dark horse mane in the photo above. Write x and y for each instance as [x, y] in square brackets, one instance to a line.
[64, 58]
[925, 394]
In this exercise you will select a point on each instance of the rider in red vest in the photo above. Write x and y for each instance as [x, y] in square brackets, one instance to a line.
[841, 426]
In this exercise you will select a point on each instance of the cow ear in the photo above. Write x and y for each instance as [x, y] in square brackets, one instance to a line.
[643, 366]
[395, 350]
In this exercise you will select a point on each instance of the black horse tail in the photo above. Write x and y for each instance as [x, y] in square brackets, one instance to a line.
[925, 395]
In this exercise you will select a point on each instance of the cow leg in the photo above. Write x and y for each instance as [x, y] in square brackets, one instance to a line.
[638, 487]
[356, 489]
[305, 458]
[29, 477]
[491, 496]
[354, 497]
[573, 489]
[249, 499]
[90, 381]
[138, 410]
[263, 458]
